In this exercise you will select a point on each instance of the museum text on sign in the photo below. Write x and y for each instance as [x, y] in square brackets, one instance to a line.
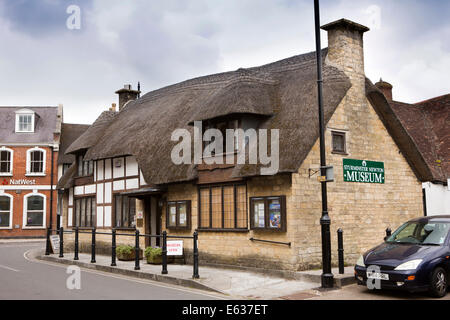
[363, 171]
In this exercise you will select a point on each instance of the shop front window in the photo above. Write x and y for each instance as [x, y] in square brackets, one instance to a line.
[35, 211]
[5, 212]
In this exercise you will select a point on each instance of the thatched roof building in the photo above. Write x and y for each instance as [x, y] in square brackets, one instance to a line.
[283, 93]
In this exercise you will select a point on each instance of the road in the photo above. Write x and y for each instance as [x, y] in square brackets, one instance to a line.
[355, 292]
[24, 278]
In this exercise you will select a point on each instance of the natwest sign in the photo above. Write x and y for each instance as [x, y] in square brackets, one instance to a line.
[20, 182]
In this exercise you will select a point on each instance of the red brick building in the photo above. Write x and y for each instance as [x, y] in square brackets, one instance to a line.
[29, 144]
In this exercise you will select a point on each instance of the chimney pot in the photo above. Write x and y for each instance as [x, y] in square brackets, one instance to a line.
[386, 88]
[127, 94]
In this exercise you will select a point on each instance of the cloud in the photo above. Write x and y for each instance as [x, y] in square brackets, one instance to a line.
[163, 42]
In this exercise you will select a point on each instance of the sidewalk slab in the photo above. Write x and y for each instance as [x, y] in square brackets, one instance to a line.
[236, 283]
[340, 280]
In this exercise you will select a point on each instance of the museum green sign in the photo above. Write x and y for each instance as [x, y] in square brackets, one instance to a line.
[363, 171]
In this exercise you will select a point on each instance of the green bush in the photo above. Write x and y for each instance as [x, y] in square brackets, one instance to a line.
[151, 253]
[124, 250]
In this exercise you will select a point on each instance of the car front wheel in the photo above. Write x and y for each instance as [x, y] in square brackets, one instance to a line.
[438, 286]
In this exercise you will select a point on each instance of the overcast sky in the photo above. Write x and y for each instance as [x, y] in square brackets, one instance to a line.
[161, 42]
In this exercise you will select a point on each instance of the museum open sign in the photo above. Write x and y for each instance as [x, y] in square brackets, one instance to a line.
[363, 171]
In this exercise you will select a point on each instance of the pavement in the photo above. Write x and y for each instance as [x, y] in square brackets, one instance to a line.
[235, 284]
[23, 277]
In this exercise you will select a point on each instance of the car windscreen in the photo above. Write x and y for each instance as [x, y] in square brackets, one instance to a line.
[431, 233]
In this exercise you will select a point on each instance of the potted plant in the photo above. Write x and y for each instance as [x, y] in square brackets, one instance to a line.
[127, 253]
[153, 255]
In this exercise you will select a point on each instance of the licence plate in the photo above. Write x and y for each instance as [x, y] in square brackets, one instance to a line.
[377, 275]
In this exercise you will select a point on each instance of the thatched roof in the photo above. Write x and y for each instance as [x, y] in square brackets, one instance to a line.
[66, 181]
[69, 133]
[245, 93]
[287, 89]
[392, 114]
[92, 134]
[427, 123]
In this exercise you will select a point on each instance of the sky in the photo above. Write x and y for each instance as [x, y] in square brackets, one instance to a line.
[162, 42]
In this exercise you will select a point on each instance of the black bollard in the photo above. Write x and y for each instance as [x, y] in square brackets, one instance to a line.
[47, 245]
[93, 246]
[136, 252]
[113, 249]
[164, 253]
[61, 242]
[195, 252]
[76, 244]
[340, 233]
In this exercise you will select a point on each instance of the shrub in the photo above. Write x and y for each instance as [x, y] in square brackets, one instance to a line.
[124, 250]
[152, 253]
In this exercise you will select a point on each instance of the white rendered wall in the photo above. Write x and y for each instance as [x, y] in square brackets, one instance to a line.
[437, 199]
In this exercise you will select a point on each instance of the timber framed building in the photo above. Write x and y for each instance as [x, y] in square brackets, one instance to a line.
[124, 177]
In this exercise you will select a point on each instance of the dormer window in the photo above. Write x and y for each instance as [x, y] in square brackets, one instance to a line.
[25, 121]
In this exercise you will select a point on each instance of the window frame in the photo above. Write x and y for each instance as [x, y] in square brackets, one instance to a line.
[11, 204]
[11, 161]
[93, 212]
[82, 164]
[22, 113]
[25, 211]
[266, 227]
[114, 216]
[344, 136]
[177, 204]
[222, 229]
[44, 158]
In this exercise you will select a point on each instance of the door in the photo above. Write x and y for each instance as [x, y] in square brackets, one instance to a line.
[152, 220]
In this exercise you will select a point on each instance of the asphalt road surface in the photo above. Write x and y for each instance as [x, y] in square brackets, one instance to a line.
[24, 278]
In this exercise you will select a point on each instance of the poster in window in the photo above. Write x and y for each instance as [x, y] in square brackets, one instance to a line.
[259, 214]
[274, 214]
[182, 210]
[173, 215]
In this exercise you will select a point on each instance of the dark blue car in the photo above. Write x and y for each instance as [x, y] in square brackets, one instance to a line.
[416, 257]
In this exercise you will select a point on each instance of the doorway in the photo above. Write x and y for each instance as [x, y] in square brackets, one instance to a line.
[152, 220]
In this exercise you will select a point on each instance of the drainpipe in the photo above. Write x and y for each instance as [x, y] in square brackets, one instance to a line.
[51, 188]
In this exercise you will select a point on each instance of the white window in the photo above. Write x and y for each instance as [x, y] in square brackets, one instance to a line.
[6, 161]
[34, 211]
[25, 121]
[6, 211]
[36, 161]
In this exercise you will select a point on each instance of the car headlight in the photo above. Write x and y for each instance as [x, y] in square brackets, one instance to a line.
[410, 265]
[360, 261]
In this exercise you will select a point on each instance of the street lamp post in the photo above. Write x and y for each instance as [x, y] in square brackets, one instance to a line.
[327, 276]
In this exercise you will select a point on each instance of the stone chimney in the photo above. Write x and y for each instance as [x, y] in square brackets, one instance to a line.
[127, 94]
[386, 88]
[346, 52]
[345, 45]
